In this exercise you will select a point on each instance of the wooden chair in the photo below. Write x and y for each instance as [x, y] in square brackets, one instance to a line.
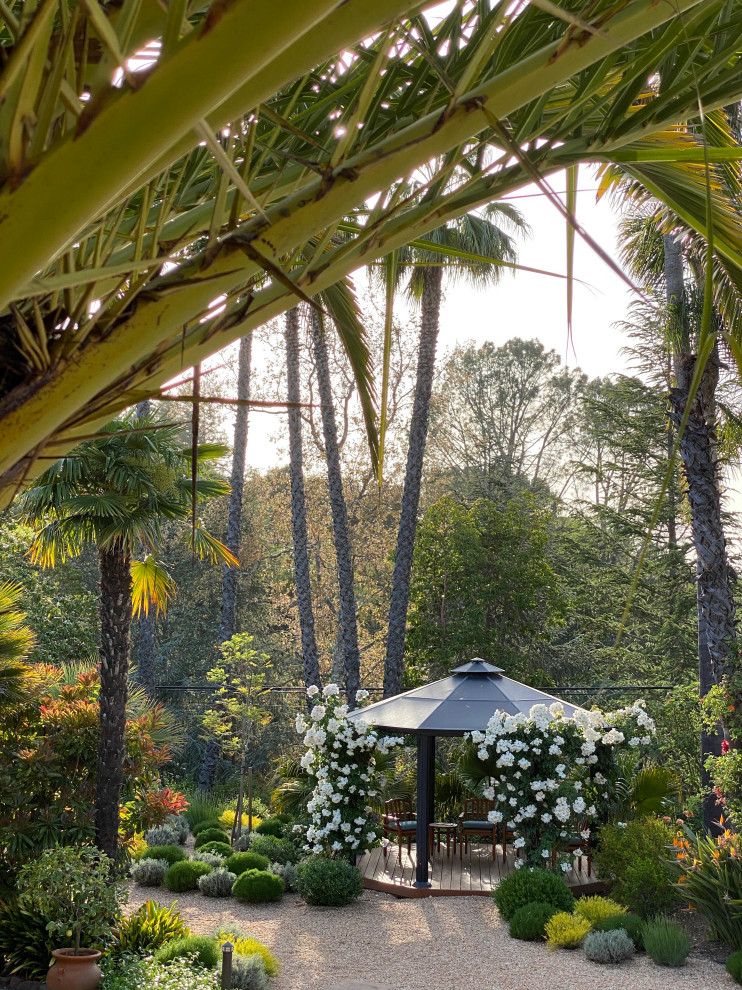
[399, 820]
[579, 847]
[473, 821]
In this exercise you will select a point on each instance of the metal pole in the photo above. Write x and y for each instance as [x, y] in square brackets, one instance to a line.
[425, 796]
[227, 950]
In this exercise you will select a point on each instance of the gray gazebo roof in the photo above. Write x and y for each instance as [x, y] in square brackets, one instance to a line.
[462, 702]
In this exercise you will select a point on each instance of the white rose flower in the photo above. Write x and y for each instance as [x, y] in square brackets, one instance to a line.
[312, 690]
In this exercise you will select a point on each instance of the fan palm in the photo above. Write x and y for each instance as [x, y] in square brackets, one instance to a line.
[116, 491]
[316, 112]
[16, 640]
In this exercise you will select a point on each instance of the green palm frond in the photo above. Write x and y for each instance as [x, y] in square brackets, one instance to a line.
[16, 641]
[151, 586]
[207, 547]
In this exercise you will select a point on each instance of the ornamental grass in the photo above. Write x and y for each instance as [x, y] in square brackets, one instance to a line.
[710, 880]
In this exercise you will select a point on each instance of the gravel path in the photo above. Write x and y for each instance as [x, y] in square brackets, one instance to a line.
[434, 943]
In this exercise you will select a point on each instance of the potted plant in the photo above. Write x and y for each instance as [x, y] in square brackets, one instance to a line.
[72, 888]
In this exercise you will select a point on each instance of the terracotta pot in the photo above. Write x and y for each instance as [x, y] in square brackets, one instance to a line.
[71, 972]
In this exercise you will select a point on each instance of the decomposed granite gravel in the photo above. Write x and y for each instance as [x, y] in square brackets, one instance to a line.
[434, 943]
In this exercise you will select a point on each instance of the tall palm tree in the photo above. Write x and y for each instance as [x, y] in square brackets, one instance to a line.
[475, 244]
[343, 551]
[310, 660]
[116, 491]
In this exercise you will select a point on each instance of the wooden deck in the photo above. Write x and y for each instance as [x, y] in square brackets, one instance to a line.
[476, 873]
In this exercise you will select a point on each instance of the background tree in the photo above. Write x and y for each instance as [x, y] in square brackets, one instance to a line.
[115, 492]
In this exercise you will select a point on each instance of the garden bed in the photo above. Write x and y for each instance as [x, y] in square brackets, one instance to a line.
[427, 944]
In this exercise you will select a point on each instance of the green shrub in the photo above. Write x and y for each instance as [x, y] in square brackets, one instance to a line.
[328, 882]
[529, 887]
[257, 886]
[529, 922]
[181, 827]
[734, 966]
[184, 876]
[595, 909]
[171, 854]
[202, 808]
[635, 857]
[271, 826]
[608, 947]
[220, 848]
[666, 942]
[149, 872]
[244, 841]
[287, 872]
[632, 924]
[246, 945]
[209, 823]
[25, 943]
[248, 973]
[276, 850]
[709, 871]
[566, 931]
[214, 860]
[133, 973]
[240, 862]
[162, 835]
[204, 948]
[210, 835]
[147, 929]
[218, 883]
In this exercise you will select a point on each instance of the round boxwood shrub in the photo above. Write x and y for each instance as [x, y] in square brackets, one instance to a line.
[734, 966]
[608, 947]
[240, 862]
[184, 876]
[220, 848]
[210, 835]
[271, 826]
[171, 854]
[209, 823]
[632, 924]
[328, 882]
[529, 922]
[277, 850]
[530, 887]
[206, 950]
[218, 883]
[149, 872]
[257, 886]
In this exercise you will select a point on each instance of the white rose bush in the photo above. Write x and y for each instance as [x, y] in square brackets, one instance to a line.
[341, 763]
[550, 775]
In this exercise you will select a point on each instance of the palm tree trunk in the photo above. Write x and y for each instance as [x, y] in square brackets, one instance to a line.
[299, 508]
[115, 623]
[400, 598]
[148, 621]
[343, 553]
[227, 623]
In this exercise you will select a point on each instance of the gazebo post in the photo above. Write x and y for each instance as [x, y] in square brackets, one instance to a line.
[425, 804]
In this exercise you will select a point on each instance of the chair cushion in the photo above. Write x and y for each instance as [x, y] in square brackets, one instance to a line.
[471, 823]
[408, 826]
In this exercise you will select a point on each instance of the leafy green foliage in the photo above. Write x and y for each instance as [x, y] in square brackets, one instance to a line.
[248, 973]
[209, 835]
[723, 705]
[130, 972]
[213, 859]
[632, 924]
[162, 835]
[242, 861]
[734, 966]
[596, 909]
[72, 888]
[208, 823]
[220, 848]
[328, 882]
[171, 854]
[184, 875]
[666, 942]
[275, 850]
[257, 886]
[608, 947]
[531, 886]
[271, 826]
[528, 923]
[203, 809]
[218, 883]
[635, 857]
[246, 945]
[148, 928]
[566, 931]
[204, 948]
[287, 872]
[26, 943]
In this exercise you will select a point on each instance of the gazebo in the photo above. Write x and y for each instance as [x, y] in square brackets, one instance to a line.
[462, 702]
